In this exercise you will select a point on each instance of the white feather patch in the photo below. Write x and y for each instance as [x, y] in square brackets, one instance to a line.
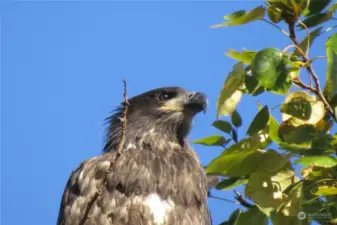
[159, 207]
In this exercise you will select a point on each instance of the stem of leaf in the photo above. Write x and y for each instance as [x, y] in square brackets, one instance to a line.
[308, 33]
[291, 46]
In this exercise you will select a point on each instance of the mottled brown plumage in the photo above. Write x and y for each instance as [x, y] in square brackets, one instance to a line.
[157, 180]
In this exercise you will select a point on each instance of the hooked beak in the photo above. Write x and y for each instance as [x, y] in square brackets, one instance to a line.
[196, 102]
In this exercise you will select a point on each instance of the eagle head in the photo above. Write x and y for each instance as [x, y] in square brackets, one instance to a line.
[165, 112]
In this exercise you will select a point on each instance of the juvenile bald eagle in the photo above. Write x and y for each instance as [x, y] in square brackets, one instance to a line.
[157, 179]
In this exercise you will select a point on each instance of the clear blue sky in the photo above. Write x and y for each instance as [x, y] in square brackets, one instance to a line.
[61, 75]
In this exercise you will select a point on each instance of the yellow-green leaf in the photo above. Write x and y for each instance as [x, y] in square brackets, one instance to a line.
[240, 18]
[259, 122]
[331, 75]
[252, 216]
[274, 13]
[215, 140]
[230, 95]
[231, 183]
[245, 56]
[326, 190]
[235, 15]
[298, 108]
[222, 125]
[300, 115]
[273, 129]
[238, 160]
[325, 161]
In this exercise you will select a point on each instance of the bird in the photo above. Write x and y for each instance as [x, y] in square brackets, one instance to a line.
[157, 178]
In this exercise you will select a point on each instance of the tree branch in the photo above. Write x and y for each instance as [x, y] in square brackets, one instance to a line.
[112, 159]
[317, 90]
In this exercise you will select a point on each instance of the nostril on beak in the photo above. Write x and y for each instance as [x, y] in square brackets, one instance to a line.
[197, 101]
[190, 95]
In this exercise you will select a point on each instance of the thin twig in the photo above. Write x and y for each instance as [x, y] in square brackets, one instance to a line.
[222, 199]
[276, 26]
[318, 57]
[274, 107]
[242, 201]
[328, 29]
[317, 89]
[120, 149]
[124, 120]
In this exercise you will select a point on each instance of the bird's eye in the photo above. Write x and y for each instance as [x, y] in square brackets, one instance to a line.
[166, 96]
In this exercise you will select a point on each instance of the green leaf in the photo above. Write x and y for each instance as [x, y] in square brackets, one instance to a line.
[316, 19]
[278, 218]
[270, 70]
[245, 56]
[231, 183]
[318, 173]
[299, 115]
[235, 135]
[331, 75]
[236, 119]
[298, 6]
[241, 158]
[223, 126]
[274, 129]
[325, 161]
[298, 135]
[293, 72]
[332, 8]
[266, 189]
[303, 138]
[243, 18]
[315, 6]
[260, 121]
[283, 84]
[252, 216]
[291, 9]
[304, 44]
[235, 15]
[326, 190]
[235, 162]
[233, 218]
[230, 95]
[298, 108]
[252, 86]
[274, 14]
[215, 140]
[273, 161]
[238, 160]
[260, 189]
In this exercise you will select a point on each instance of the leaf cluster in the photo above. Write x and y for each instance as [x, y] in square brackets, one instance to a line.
[263, 159]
